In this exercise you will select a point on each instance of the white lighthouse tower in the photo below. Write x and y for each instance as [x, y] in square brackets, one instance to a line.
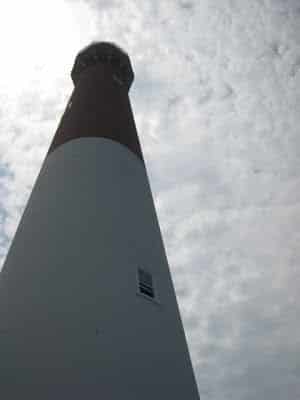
[87, 305]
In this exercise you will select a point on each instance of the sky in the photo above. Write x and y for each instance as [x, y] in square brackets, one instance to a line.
[216, 100]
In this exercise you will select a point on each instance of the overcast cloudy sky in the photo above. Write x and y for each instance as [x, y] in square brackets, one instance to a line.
[217, 106]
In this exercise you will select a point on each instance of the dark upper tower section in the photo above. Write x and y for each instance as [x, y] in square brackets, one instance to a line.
[99, 105]
[106, 53]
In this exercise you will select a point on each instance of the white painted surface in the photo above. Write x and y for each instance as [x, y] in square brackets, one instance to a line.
[71, 322]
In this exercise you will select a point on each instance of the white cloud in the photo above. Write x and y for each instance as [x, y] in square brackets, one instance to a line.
[217, 106]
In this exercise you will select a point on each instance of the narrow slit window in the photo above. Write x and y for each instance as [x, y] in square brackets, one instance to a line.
[145, 283]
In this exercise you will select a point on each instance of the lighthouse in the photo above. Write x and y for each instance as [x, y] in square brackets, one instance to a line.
[87, 304]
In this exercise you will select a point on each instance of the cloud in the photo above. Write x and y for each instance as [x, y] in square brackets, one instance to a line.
[217, 104]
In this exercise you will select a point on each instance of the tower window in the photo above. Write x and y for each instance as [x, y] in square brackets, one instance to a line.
[145, 283]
